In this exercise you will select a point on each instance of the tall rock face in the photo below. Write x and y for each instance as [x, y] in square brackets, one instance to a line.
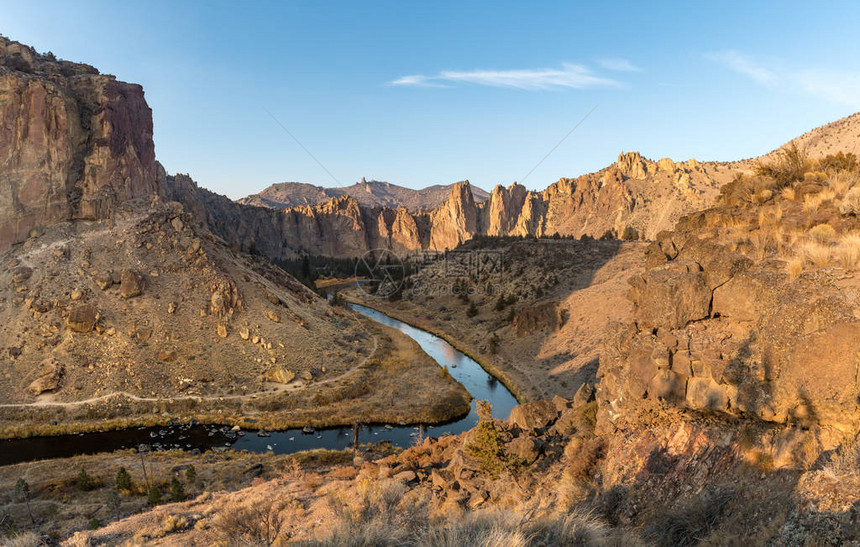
[73, 142]
[501, 212]
[340, 227]
[456, 220]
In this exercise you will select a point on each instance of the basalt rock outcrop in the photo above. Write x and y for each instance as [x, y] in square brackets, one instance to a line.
[73, 142]
[716, 331]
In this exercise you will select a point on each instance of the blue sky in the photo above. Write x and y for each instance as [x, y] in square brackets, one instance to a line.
[432, 93]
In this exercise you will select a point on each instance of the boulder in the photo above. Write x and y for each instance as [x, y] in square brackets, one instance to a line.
[525, 447]
[21, 274]
[566, 423]
[49, 376]
[668, 386]
[131, 284]
[584, 394]
[707, 394]
[279, 375]
[83, 318]
[560, 403]
[273, 316]
[167, 355]
[443, 479]
[405, 476]
[671, 295]
[103, 280]
[533, 415]
[746, 297]
[681, 362]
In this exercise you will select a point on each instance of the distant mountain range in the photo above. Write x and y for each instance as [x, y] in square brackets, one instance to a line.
[372, 193]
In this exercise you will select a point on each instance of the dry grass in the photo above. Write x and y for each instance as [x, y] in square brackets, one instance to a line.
[822, 233]
[484, 528]
[770, 216]
[794, 267]
[812, 202]
[850, 204]
[845, 461]
[814, 253]
[821, 248]
[250, 524]
[789, 193]
[842, 181]
[693, 520]
[847, 252]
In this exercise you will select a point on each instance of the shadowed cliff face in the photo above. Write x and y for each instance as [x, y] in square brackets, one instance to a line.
[73, 142]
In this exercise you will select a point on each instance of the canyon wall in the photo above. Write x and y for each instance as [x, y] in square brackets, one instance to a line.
[634, 193]
[73, 142]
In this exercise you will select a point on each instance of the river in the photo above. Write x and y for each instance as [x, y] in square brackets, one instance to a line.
[477, 381]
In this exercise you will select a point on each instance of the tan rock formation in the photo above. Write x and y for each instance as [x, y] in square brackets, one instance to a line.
[73, 142]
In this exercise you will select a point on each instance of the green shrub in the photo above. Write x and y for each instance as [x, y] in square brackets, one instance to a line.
[494, 343]
[177, 492]
[154, 496]
[123, 480]
[85, 482]
[190, 474]
[488, 447]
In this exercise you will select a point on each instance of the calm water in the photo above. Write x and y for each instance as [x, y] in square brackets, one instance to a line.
[480, 384]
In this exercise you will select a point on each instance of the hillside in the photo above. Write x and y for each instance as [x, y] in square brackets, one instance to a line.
[117, 307]
[372, 193]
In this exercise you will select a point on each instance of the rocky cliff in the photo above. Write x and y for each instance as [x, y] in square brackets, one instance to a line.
[748, 308]
[369, 193]
[73, 142]
[635, 195]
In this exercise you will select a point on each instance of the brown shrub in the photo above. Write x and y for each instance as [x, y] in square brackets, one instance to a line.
[258, 523]
[789, 166]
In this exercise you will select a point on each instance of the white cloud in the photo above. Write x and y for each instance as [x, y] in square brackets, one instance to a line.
[618, 65]
[743, 64]
[835, 86]
[416, 80]
[568, 76]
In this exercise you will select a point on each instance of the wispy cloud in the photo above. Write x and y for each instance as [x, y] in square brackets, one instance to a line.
[568, 76]
[835, 86]
[618, 64]
[743, 64]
